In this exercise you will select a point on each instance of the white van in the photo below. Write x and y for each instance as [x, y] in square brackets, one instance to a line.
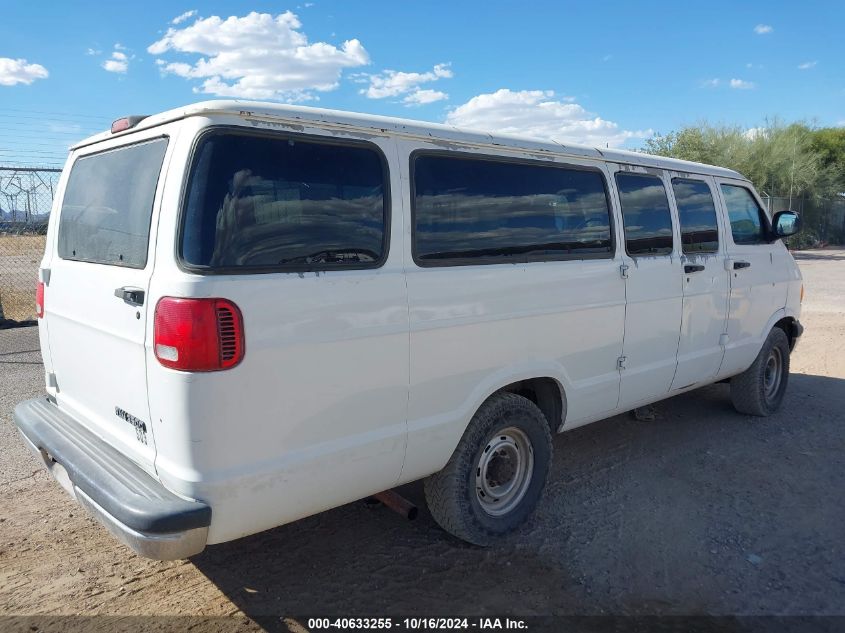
[251, 313]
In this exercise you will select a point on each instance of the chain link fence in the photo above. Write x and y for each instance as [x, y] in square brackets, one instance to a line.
[823, 220]
[26, 197]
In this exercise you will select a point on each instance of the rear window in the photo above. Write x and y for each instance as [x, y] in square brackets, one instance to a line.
[473, 211]
[108, 203]
[259, 203]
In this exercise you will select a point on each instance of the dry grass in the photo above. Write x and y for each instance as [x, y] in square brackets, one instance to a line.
[22, 245]
[19, 258]
[18, 304]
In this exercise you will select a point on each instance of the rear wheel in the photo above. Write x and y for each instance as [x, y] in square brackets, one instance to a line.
[496, 475]
[759, 389]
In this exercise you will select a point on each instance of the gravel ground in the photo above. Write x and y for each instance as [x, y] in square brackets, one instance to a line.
[703, 511]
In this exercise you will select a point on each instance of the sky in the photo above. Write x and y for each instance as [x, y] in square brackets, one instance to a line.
[598, 73]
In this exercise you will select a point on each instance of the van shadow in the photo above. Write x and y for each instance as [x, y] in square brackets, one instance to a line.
[638, 518]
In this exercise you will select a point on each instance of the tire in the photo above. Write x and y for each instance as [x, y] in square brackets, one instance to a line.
[496, 475]
[759, 389]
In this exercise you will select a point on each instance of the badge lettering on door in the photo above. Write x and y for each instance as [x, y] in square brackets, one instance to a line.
[140, 425]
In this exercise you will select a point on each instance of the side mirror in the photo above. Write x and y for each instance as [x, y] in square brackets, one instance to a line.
[785, 223]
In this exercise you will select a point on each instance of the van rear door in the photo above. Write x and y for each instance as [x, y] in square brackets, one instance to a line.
[95, 297]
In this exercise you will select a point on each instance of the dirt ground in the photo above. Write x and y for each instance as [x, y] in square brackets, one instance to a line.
[703, 511]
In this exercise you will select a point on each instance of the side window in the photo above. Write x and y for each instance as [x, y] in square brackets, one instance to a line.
[645, 212]
[272, 202]
[477, 210]
[697, 213]
[748, 220]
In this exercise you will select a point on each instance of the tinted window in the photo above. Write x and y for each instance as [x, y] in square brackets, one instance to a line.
[645, 211]
[270, 202]
[697, 213]
[108, 203]
[468, 210]
[747, 220]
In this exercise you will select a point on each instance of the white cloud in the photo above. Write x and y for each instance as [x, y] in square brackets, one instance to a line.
[72, 128]
[741, 84]
[393, 83]
[754, 132]
[257, 56]
[711, 83]
[115, 66]
[184, 16]
[20, 71]
[118, 62]
[423, 97]
[537, 113]
[763, 29]
[807, 65]
[93, 51]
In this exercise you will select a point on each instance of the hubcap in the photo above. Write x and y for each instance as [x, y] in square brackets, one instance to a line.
[773, 373]
[504, 471]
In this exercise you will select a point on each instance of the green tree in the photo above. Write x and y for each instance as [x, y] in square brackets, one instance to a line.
[829, 143]
[780, 159]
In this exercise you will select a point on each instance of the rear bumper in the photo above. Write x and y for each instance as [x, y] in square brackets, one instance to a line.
[133, 506]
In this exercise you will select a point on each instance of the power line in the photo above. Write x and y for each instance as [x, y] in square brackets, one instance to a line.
[30, 151]
[53, 119]
[79, 116]
[28, 143]
[49, 133]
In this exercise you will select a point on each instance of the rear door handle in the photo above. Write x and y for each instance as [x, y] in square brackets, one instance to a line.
[738, 265]
[693, 268]
[131, 295]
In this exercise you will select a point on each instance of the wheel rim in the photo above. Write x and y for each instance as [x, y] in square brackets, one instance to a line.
[504, 471]
[773, 373]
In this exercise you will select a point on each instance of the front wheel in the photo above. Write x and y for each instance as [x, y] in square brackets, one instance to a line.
[496, 475]
[759, 389]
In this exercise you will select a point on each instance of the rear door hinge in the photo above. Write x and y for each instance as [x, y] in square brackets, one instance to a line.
[620, 362]
[623, 271]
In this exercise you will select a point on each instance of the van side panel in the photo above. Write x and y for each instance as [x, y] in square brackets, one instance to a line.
[477, 328]
[758, 290]
[315, 414]
[706, 291]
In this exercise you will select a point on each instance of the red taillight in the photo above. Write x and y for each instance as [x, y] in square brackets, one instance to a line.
[39, 300]
[198, 334]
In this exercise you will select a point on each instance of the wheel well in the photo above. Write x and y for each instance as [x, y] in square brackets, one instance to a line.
[547, 394]
[787, 324]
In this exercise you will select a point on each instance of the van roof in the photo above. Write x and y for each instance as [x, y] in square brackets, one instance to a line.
[261, 110]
